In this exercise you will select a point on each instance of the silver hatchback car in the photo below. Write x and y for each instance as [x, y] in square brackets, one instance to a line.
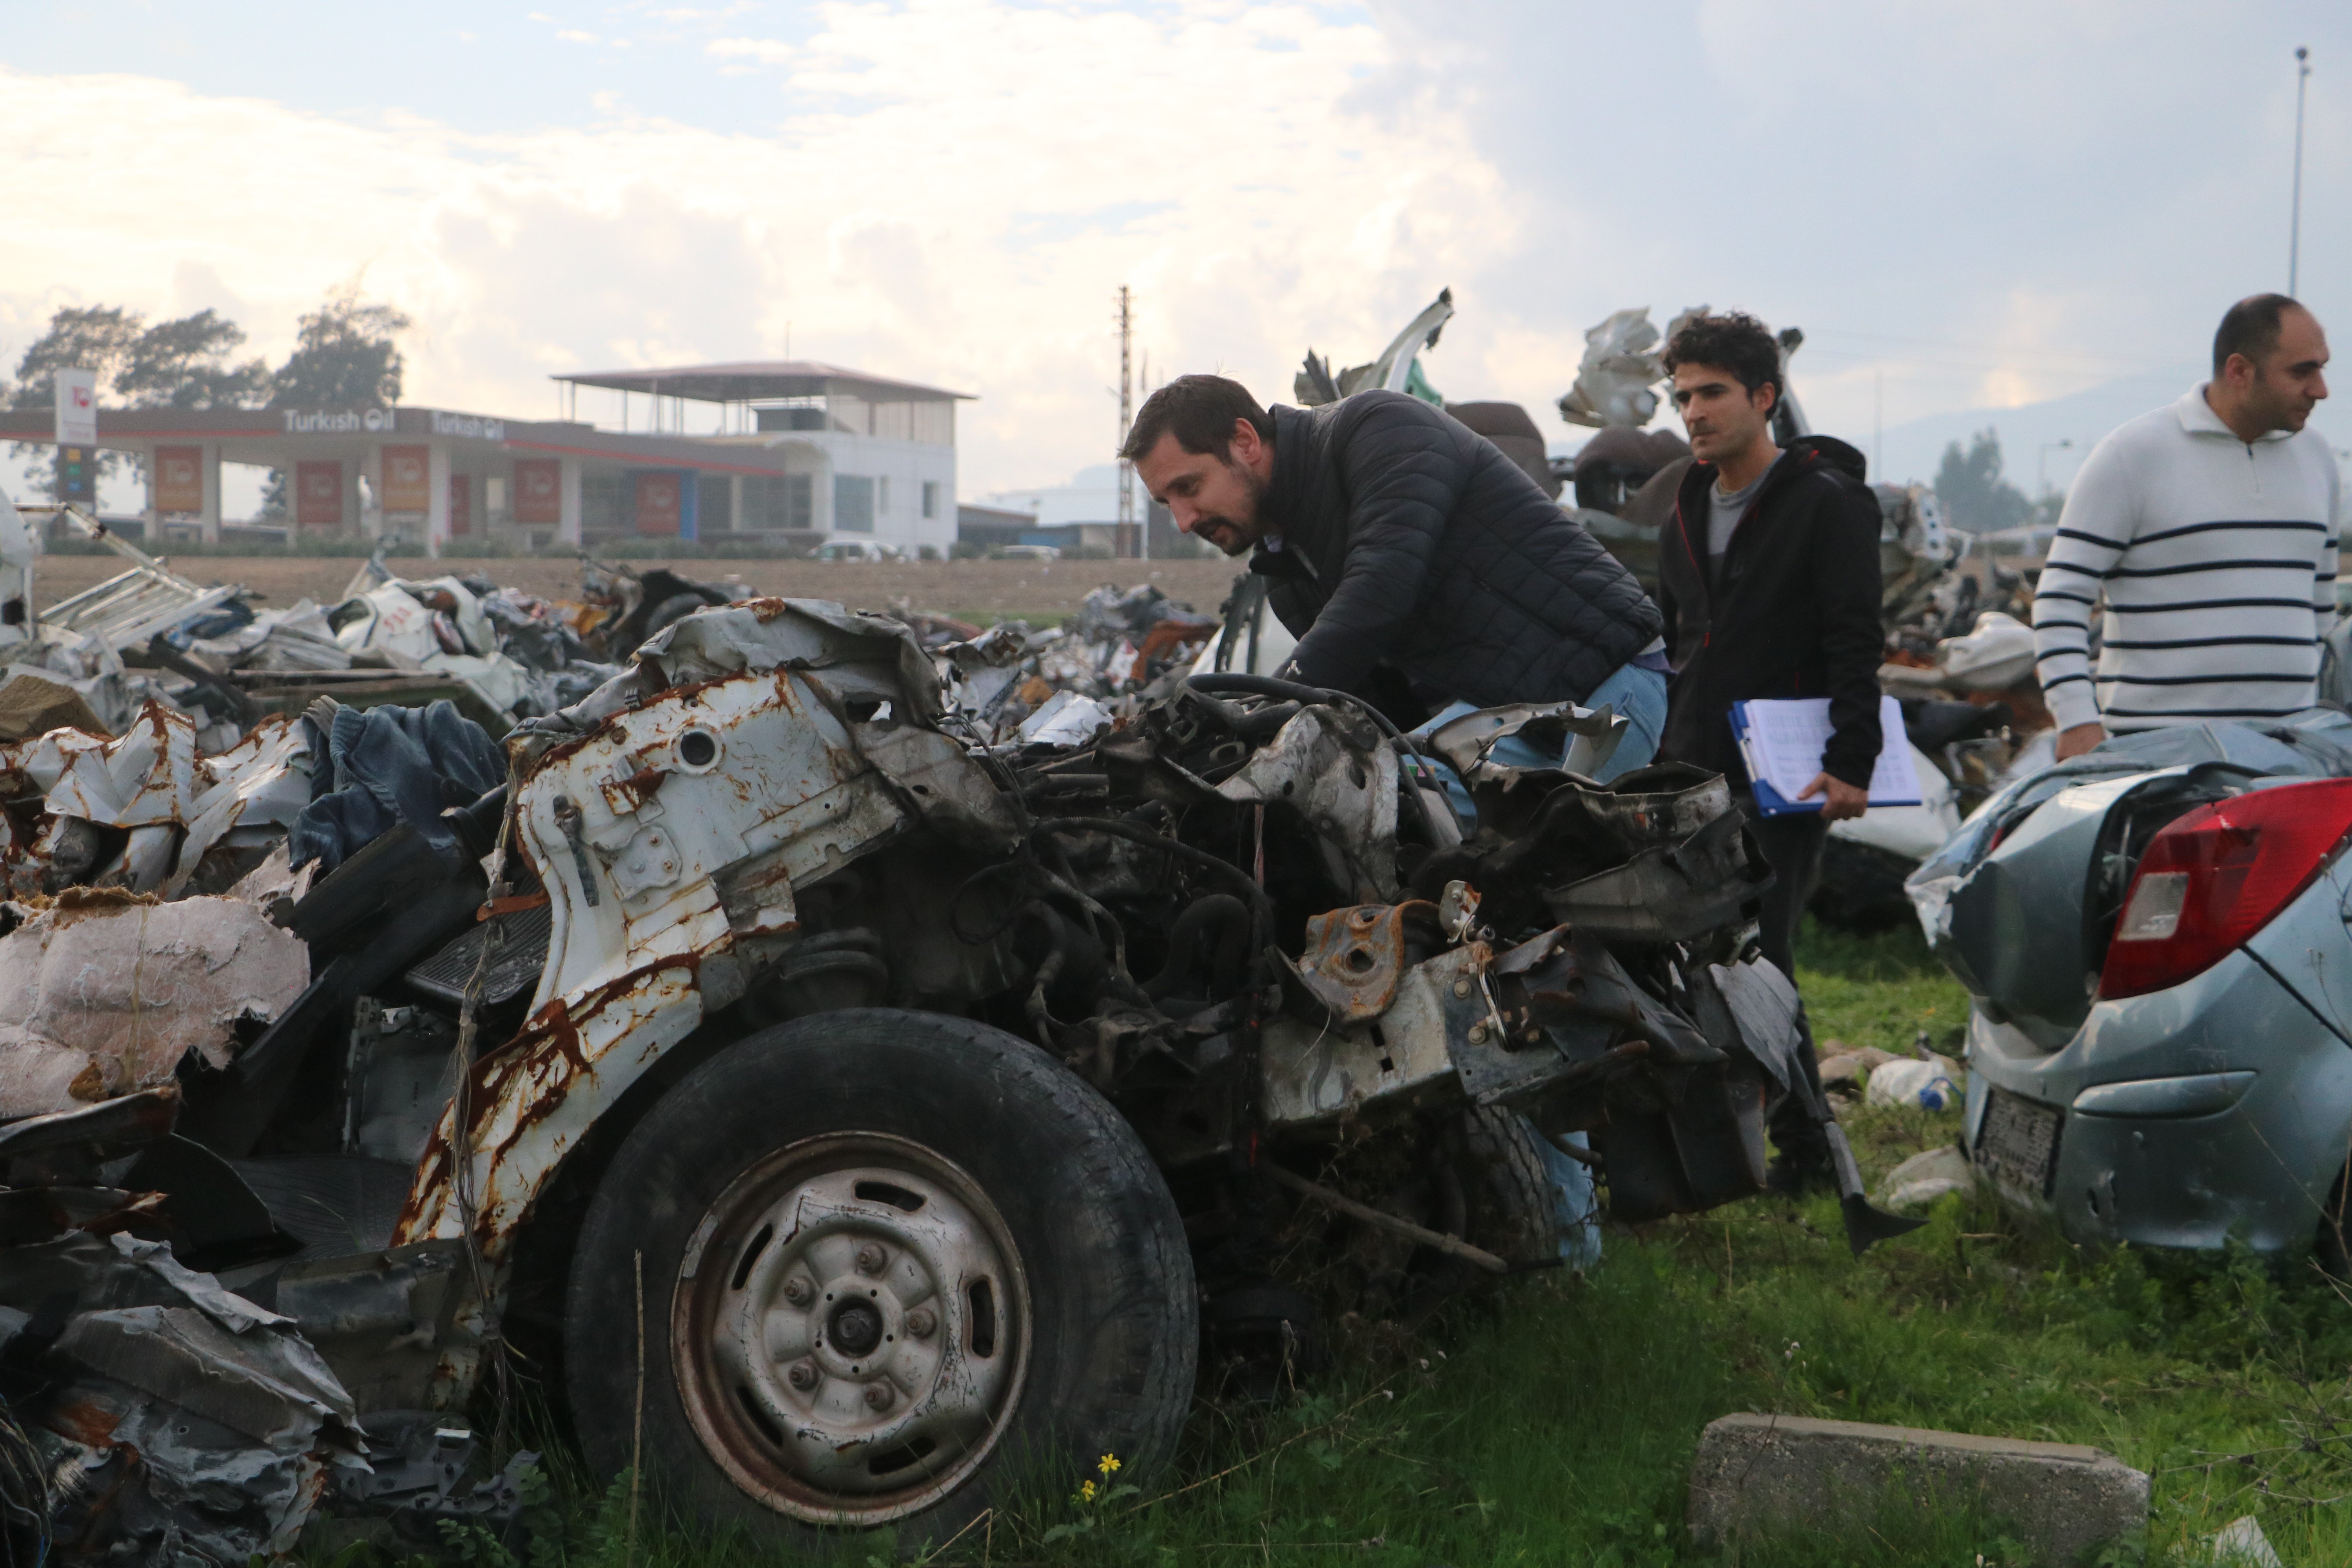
[2157, 938]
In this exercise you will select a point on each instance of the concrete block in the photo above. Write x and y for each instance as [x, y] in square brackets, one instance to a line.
[1756, 1475]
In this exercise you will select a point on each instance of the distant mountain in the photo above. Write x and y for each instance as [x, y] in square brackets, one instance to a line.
[1911, 451]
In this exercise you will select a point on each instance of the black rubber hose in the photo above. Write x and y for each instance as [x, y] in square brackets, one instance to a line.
[1261, 906]
[1186, 950]
[1245, 685]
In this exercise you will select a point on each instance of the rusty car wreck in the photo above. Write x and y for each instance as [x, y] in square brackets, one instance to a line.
[867, 1106]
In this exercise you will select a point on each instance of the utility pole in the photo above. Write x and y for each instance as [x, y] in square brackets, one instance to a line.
[2294, 223]
[1127, 543]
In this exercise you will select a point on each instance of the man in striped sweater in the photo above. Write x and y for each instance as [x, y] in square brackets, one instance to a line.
[2211, 528]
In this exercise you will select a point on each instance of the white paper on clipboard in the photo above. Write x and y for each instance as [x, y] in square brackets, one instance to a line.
[1782, 739]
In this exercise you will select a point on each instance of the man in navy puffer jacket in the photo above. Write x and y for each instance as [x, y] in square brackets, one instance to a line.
[1393, 534]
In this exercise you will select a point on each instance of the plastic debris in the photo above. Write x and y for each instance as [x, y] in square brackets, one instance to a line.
[1925, 1177]
[1928, 1085]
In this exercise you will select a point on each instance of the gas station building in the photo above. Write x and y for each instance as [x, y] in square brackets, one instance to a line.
[791, 451]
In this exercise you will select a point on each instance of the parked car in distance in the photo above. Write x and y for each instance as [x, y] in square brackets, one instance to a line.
[860, 550]
[2154, 938]
[1025, 553]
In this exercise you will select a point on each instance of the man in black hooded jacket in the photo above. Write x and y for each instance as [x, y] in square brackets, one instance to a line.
[1395, 536]
[1769, 576]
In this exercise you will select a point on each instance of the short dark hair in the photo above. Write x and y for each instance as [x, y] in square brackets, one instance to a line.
[1735, 342]
[2250, 327]
[1199, 411]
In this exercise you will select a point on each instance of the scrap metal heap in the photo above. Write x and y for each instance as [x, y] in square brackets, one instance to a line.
[1346, 1020]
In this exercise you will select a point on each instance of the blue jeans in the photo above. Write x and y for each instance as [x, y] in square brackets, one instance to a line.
[1638, 694]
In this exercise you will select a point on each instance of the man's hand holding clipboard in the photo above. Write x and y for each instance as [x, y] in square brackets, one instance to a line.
[1841, 800]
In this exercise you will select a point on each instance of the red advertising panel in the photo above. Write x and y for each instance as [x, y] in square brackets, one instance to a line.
[659, 503]
[461, 504]
[538, 490]
[179, 478]
[319, 494]
[405, 486]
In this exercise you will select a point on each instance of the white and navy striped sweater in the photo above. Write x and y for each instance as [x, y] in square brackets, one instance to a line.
[2216, 561]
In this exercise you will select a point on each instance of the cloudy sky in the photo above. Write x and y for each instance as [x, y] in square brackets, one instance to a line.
[1965, 206]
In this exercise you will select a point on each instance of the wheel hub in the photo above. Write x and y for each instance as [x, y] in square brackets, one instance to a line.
[855, 1327]
[850, 1336]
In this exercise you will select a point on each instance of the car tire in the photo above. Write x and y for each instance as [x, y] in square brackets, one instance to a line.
[1030, 1303]
[1517, 1214]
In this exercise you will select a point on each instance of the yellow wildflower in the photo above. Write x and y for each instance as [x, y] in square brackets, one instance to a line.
[1086, 1492]
[1108, 1464]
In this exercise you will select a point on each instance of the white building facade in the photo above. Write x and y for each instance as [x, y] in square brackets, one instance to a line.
[811, 453]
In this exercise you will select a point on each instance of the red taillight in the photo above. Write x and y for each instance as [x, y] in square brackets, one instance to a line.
[2215, 877]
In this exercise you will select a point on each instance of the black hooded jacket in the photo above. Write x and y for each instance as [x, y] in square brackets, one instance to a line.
[1795, 614]
[1408, 539]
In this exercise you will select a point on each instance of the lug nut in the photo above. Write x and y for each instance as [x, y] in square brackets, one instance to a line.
[1478, 1034]
[879, 1395]
[802, 1376]
[870, 1258]
[1461, 988]
[798, 1291]
[921, 1323]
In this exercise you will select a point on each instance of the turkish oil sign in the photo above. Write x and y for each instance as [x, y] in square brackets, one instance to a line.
[407, 485]
[319, 494]
[538, 490]
[179, 478]
[338, 421]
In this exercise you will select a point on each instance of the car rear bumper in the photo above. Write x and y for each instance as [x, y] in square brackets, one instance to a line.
[2237, 1124]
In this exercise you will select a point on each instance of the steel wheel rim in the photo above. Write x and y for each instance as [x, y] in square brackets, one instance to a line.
[851, 1328]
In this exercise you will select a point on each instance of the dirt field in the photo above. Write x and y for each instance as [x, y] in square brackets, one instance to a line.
[974, 589]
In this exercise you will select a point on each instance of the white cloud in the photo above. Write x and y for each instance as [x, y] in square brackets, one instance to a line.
[766, 51]
[952, 193]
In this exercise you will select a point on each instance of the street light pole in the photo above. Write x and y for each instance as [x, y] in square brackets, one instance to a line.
[2042, 463]
[2294, 221]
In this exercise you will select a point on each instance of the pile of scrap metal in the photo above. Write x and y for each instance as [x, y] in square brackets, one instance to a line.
[163, 1394]
[1014, 680]
[848, 1104]
[95, 661]
[1397, 368]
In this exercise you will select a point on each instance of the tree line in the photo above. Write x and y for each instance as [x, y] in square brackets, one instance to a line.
[345, 355]
[1978, 497]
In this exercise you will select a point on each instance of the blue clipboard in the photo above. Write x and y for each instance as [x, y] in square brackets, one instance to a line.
[1769, 801]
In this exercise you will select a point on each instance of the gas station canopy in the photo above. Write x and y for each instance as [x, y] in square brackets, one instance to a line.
[761, 381]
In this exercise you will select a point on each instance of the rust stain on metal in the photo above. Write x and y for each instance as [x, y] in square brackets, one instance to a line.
[1355, 957]
[547, 1052]
[642, 786]
[86, 1421]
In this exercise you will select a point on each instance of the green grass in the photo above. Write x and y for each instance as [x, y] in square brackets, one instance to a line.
[1554, 1423]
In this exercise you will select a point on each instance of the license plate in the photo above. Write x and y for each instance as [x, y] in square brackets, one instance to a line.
[2018, 1145]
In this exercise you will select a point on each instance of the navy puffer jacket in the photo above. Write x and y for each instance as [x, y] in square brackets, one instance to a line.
[1407, 538]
